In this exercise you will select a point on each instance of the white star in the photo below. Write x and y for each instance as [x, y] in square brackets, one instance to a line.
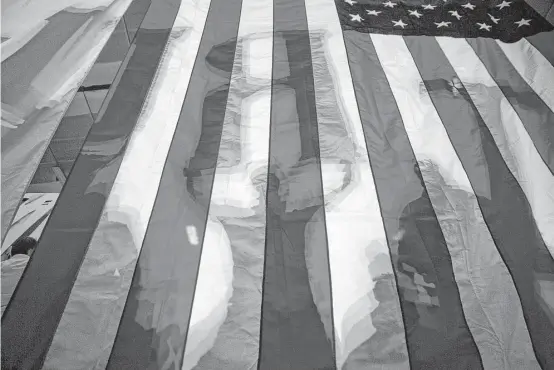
[495, 20]
[523, 22]
[351, 2]
[468, 6]
[429, 7]
[455, 13]
[442, 24]
[373, 12]
[484, 26]
[356, 18]
[399, 23]
[415, 13]
[504, 4]
[389, 4]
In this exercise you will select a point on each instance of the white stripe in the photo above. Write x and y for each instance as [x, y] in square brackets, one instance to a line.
[99, 293]
[355, 229]
[478, 267]
[509, 133]
[535, 69]
[230, 291]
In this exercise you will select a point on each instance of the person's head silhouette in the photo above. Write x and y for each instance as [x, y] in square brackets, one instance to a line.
[432, 172]
[417, 171]
[24, 245]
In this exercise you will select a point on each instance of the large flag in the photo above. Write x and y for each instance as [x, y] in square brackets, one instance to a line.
[308, 184]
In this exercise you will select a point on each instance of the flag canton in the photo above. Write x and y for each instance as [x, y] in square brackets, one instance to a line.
[508, 21]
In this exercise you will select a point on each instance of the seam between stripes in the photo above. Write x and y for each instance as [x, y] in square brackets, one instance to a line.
[187, 327]
[508, 100]
[106, 103]
[393, 264]
[267, 185]
[124, 150]
[433, 208]
[482, 124]
[333, 354]
[181, 355]
[333, 339]
[43, 356]
[137, 265]
[51, 212]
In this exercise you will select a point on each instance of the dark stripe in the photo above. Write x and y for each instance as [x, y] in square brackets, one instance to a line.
[505, 208]
[154, 325]
[134, 16]
[544, 42]
[292, 334]
[533, 111]
[437, 333]
[33, 314]
[94, 88]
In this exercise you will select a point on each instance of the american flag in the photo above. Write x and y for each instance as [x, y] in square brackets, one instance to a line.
[508, 21]
[307, 184]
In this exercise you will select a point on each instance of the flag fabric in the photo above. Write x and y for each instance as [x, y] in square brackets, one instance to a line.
[508, 21]
[47, 50]
[307, 184]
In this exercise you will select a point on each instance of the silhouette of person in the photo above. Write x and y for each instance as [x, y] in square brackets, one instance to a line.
[13, 268]
[428, 292]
